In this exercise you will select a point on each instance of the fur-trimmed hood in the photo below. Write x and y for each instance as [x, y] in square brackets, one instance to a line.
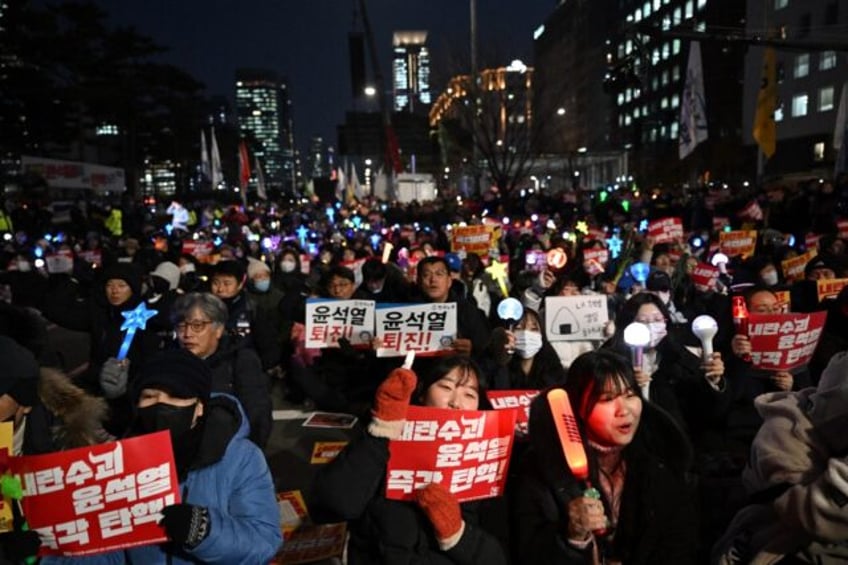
[77, 417]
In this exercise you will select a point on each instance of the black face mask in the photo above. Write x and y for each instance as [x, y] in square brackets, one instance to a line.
[159, 417]
[177, 420]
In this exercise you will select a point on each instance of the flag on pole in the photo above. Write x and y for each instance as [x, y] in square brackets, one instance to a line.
[217, 174]
[765, 129]
[244, 166]
[693, 108]
[839, 133]
[357, 186]
[340, 183]
[261, 191]
[205, 169]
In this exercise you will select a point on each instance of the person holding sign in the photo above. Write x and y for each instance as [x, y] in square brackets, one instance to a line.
[748, 382]
[433, 529]
[434, 285]
[228, 512]
[637, 458]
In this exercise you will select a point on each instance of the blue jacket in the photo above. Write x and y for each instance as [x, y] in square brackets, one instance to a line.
[238, 491]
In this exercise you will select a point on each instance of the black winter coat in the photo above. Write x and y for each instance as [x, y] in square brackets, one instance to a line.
[386, 531]
[657, 519]
[237, 370]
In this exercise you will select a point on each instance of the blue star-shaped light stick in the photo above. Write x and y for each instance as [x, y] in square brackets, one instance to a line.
[302, 232]
[614, 245]
[133, 320]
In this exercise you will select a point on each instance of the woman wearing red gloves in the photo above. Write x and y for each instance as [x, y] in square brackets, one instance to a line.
[637, 459]
[434, 529]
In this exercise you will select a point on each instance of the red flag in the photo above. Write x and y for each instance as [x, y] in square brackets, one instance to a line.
[244, 166]
[393, 150]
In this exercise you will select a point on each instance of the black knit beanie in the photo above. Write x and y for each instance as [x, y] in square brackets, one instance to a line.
[126, 272]
[178, 372]
[19, 375]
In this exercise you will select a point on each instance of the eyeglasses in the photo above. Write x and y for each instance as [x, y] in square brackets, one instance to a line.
[195, 326]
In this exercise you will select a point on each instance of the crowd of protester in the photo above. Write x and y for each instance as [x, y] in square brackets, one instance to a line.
[687, 447]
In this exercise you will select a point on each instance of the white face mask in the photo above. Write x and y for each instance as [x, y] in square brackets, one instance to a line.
[24, 266]
[187, 268]
[288, 266]
[658, 332]
[770, 278]
[527, 343]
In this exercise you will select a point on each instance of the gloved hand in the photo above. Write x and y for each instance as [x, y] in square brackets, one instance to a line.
[442, 509]
[113, 377]
[186, 524]
[391, 402]
[17, 546]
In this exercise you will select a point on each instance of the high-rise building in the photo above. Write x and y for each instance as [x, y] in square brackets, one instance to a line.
[263, 107]
[610, 77]
[411, 71]
[319, 159]
[809, 80]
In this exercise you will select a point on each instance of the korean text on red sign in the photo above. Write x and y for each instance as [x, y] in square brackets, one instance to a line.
[466, 451]
[518, 400]
[329, 320]
[666, 230]
[781, 342]
[427, 329]
[705, 277]
[100, 498]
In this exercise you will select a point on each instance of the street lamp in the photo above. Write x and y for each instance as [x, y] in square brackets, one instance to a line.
[560, 111]
[370, 91]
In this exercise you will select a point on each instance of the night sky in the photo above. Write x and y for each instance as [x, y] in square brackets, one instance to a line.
[306, 41]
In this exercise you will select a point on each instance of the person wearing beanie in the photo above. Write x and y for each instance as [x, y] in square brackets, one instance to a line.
[228, 512]
[435, 528]
[18, 387]
[101, 316]
[264, 300]
[797, 478]
[244, 324]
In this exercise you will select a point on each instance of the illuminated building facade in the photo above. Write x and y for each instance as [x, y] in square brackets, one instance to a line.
[411, 71]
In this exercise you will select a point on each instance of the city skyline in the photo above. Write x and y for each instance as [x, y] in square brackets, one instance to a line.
[307, 44]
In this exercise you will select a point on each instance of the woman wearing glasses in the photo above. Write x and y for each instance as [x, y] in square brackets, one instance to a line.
[199, 322]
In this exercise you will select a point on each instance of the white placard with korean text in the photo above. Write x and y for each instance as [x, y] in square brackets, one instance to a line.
[426, 329]
[329, 320]
[576, 318]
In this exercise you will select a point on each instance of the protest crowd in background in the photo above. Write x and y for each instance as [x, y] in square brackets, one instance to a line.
[721, 444]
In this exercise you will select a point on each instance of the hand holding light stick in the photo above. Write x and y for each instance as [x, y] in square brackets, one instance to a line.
[510, 311]
[571, 442]
[134, 319]
[705, 328]
[740, 320]
[637, 336]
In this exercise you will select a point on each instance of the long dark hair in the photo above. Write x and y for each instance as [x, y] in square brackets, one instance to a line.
[627, 315]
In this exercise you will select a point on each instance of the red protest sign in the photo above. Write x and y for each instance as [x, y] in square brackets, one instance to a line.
[704, 277]
[471, 239]
[100, 498]
[600, 256]
[780, 342]
[94, 257]
[518, 400]
[198, 248]
[830, 288]
[466, 451]
[740, 242]
[842, 227]
[666, 230]
[719, 222]
[793, 269]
